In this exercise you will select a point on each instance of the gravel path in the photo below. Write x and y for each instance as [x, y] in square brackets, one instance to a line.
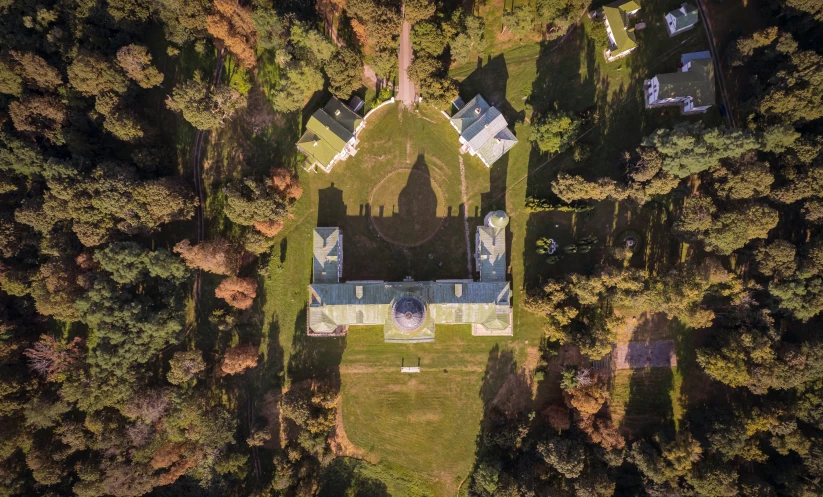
[406, 88]
[465, 200]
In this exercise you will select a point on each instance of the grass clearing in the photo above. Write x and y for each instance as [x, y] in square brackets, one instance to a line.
[642, 399]
[426, 423]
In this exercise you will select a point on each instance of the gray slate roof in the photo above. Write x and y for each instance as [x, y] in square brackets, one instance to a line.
[684, 16]
[328, 255]
[485, 129]
[491, 253]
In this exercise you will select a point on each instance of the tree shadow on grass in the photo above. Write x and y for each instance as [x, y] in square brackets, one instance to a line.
[342, 477]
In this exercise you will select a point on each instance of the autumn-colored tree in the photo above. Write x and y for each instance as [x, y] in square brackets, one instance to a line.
[238, 292]
[136, 61]
[240, 358]
[39, 115]
[269, 228]
[558, 417]
[587, 399]
[602, 432]
[232, 24]
[217, 256]
[286, 184]
[36, 71]
[51, 358]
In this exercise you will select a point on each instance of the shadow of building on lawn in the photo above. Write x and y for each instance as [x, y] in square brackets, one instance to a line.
[404, 234]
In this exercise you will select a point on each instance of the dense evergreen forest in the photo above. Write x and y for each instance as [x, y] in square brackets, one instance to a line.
[106, 388]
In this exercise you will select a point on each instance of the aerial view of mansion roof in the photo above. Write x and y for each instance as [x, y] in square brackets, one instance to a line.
[410, 310]
[692, 87]
[331, 134]
[622, 40]
[483, 130]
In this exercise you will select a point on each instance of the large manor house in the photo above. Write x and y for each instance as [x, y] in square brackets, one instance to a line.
[409, 311]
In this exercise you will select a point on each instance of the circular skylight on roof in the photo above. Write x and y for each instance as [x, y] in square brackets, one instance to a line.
[408, 313]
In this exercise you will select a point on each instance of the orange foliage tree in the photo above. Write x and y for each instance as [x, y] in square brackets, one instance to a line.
[239, 359]
[234, 27]
[238, 292]
[215, 256]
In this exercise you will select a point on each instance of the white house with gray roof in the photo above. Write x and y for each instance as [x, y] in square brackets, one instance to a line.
[483, 130]
[681, 19]
[410, 310]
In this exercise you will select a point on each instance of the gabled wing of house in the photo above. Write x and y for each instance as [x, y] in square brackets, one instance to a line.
[328, 131]
[697, 83]
[617, 15]
[495, 148]
[484, 129]
[491, 253]
[326, 260]
[469, 113]
[341, 113]
[684, 17]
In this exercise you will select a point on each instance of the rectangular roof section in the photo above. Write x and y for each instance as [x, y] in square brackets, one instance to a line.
[685, 16]
[617, 16]
[697, 82]
[328, 131]
[327, 255]
[484, 129]
[491, 253]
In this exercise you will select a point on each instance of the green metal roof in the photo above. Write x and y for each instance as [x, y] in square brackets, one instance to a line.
[328, 131]
[341, 112]
[697, 83]
[684, 17]
[617, 16]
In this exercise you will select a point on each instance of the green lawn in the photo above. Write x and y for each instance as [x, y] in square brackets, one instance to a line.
[426, 423]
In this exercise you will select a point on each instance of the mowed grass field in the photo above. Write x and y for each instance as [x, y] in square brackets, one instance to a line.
[427, 422]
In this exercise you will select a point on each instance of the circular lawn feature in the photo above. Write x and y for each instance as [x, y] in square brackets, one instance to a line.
[404, 207]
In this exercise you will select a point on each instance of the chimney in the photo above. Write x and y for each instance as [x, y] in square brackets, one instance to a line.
[458, 290]
[337, 112]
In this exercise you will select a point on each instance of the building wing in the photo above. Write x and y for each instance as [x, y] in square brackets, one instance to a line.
[344, 115]
[328, 252]
[469, 113]
[697, 82]
[684, 17]
[617, 15]
[491, 253]
[495, 148]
